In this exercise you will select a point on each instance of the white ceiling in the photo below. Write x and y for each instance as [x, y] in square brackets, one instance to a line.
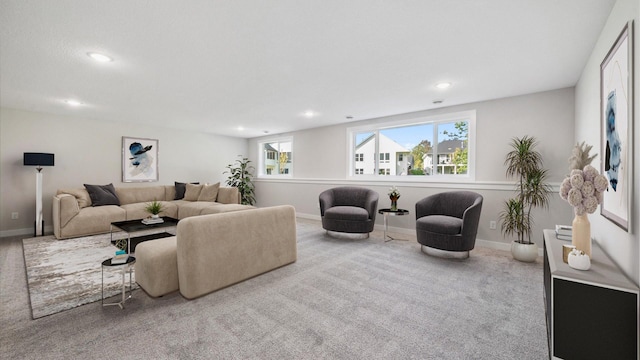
[212, 65]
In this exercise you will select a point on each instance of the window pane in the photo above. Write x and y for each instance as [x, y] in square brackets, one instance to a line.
[452, 151]
[365, 150]
[284, 158]
[270, 151]
[405, 150]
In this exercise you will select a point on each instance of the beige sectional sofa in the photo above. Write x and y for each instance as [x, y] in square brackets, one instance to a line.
[74, 215]
[211, 252]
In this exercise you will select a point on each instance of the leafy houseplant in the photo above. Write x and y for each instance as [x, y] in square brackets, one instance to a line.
[240, 175]
[525, 164]
[154, 208]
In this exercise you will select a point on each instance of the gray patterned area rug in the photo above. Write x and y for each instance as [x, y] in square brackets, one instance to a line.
[63, 274]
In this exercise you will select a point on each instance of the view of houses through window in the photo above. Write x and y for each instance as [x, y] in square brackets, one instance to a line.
[276, 158]
[430, 148]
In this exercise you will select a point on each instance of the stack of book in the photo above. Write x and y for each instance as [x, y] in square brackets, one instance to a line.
[119, 259]
[149, 221]
[563, 232]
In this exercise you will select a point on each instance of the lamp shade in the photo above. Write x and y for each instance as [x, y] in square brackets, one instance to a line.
[38, 159]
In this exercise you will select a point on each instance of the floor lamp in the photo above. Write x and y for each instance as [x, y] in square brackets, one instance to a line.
[39, 160]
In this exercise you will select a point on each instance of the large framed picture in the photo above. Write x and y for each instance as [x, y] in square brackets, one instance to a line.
[139, 159]
[616, 111]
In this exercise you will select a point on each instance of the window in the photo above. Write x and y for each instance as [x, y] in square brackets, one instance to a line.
[276, 157]
[366, 144]
[429, 147]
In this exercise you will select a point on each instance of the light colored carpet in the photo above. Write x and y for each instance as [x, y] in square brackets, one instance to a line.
[342, 299]
[63, 274]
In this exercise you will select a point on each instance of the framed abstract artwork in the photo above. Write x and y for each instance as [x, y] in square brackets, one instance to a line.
[139, 159]
[616, 112]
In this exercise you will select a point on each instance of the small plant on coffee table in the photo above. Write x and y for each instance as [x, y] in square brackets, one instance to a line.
[154, 208]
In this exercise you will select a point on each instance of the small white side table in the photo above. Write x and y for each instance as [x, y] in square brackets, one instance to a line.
[123, 267]
[389, 212]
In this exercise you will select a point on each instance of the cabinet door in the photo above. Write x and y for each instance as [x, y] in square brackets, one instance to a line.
[593, 322]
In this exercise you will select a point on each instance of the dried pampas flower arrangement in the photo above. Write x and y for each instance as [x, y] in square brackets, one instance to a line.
[580, 156]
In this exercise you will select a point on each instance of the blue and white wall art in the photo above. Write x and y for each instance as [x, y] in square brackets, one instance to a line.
[139, 159]
[616, 114]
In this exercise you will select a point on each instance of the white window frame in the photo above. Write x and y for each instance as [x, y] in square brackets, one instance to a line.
[469, 116]
[261, 171]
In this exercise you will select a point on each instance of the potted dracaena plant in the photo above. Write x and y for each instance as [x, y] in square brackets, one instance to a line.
[524, 163]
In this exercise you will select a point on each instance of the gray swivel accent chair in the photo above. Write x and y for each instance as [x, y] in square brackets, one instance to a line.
[348, 209]
[447, 223]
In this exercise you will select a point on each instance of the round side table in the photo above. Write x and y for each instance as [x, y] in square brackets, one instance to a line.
[123, 267]
[389, 212]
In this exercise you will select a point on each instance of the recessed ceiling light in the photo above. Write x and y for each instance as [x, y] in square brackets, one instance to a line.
[438, 101]
[349, 117]
[99, 57]
[73, 102]
[308, 113]
[240, 128]
[443, 85]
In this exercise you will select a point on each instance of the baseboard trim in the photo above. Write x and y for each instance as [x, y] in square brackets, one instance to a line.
[48, 230]
[496, 245]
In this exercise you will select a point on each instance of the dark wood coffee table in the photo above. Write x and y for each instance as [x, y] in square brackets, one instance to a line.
[133, 226]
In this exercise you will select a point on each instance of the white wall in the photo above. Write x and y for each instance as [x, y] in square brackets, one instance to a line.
[88, 151]
[320, 160]
[621, 246]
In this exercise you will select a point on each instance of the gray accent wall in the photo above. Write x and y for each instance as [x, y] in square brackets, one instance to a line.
[89, 151]
[320, 161]
[620, 245]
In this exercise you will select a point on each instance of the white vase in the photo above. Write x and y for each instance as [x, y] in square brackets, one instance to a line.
[524, 252]
[155, 216]
[581, 234]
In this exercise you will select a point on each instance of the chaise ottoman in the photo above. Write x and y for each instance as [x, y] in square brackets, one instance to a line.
[156, 266]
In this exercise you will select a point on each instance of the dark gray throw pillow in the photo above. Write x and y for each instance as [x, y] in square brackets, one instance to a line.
[181, 188]
[102, 195]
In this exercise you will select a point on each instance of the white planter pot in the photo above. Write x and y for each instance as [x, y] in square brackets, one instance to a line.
[155, 216]
[524, 252]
